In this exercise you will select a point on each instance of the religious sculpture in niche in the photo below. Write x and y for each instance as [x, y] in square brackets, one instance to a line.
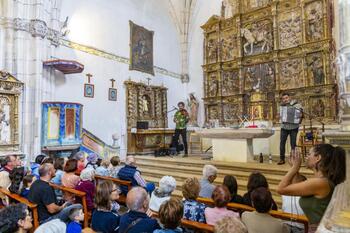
[5, 124]
[212, 50]
[291, 74]
[314, 20]
[213, 86]
[318, 107]
[146, 105]
[230, 112]
[213, 113]
[315, 69]
[141, 49]
[259, 78]
[228, 48]
[193, 107]
[257, 37]
[230, 83]
[290, 33]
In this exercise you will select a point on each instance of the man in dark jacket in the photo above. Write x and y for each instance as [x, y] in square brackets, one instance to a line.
[136, 220]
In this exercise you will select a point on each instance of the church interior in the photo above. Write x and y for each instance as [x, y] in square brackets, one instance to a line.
[137, 95]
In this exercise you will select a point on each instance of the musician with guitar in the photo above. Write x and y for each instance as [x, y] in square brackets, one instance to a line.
[181, 119]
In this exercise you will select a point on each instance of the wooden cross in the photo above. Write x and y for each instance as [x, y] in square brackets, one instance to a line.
[88, 76]
[112, 80]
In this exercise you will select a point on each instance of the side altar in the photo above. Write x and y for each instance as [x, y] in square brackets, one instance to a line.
[234, 145]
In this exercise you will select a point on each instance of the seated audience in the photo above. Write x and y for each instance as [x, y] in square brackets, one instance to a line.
[170, 215]
[230, 225]
[42, 194]
[103, 219]
[15, 218]
[209, 175]
[16, 177]
[28, 180]
[161, 194]
[76, 216]
[34, 167]
[87, 185]
[290, 204]
[80, 157]
[115, 167]
[193, 210]
[47, 160]
[53, 226]
[130, 172]
[10, 163]
[231, 183]
[329, 167]
[103, 169]
[136, 220]
[70, 179]
[256, 180]
[92, 161]
[260, 221]
[59, 164]
[221, 197]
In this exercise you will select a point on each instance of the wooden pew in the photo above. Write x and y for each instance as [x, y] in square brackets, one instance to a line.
[81, 195]
[122, 198]
[196, 226]
[275, 213]
[33, 207]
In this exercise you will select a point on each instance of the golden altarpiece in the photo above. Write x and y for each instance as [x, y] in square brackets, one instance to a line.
[267, 48]
[146, 103]
[10, 90]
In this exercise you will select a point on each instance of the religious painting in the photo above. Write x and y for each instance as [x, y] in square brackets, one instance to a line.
[213, 112]
[212, 50]
[141, 49]
[257, 37]
[314, 21]
[315, 69]
[89, 90]
[53, 123]
[230, 82]
[259, 78]
[213, 85]
[5, 117]
[250, 5]
[112, 94]
[256, 112]
[229, 48]
[290, 29]
[70, 122]
[291, 74]
[318, 107]
[92, 144]
[231, 112]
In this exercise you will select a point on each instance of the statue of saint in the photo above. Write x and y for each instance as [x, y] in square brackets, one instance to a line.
[145, 107]
[4, 123]
[193, 107]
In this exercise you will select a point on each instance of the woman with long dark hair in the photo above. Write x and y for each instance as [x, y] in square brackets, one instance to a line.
[328, 165]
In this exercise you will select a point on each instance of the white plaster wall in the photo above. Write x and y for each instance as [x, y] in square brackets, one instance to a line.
[204, 10]
[104, 24]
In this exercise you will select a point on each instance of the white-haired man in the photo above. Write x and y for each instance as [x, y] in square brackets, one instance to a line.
[209, 175]
[131, 173]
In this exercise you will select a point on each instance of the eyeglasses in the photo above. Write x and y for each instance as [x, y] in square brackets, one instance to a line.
[116, 190]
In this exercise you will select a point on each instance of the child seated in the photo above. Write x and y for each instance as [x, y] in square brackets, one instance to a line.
[28, 180]
[76, 215]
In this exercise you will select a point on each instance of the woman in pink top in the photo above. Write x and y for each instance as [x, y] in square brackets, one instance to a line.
[221, 197]
[69, 179]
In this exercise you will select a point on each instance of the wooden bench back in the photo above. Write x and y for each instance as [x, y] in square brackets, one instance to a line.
[277, 214]
[77, 193]
[33, 207]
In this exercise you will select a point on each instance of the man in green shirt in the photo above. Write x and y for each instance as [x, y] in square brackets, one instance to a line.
[181, 119]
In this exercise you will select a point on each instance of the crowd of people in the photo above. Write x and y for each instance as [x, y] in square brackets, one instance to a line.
[155, 209]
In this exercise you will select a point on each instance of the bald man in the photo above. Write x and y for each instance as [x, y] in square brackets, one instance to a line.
[136, 220]
[131, 173]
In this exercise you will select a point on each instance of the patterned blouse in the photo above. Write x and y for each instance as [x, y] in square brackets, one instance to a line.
[194, 210]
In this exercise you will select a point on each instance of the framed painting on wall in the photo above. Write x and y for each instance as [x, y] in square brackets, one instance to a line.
[141, 49]
[112, 94]
[89, 90]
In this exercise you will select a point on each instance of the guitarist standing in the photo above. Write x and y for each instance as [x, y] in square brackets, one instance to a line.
[181, 119]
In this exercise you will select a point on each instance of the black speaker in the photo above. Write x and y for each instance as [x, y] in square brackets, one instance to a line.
[142, 125]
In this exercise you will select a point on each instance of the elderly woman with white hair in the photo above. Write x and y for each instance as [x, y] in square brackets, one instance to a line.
[209, 175]
[161, 194]
[87, 185]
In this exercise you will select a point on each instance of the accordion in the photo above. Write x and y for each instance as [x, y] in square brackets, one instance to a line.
[290, 114]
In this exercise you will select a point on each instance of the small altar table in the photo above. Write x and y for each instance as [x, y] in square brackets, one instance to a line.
[234, 145]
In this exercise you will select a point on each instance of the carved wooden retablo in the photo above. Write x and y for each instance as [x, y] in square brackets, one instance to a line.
[267, 48]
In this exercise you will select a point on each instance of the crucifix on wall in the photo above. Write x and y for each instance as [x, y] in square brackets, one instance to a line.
[112, 92]
[89, 88]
